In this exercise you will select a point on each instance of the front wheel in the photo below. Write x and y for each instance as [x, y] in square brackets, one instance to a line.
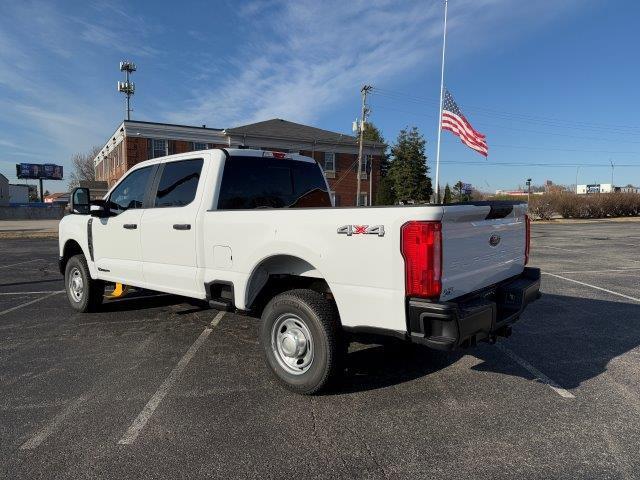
[84, 293]
[300, 336]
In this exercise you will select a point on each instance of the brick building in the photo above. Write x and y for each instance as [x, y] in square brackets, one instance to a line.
[337, 153]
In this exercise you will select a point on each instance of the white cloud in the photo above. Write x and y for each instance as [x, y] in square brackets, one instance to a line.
[48, 102]
[305, 57]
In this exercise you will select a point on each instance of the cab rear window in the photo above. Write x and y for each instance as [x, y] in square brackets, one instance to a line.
[259, 182]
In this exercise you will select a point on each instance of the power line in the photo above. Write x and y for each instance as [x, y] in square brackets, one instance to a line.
[586, 128]
[529, 147]
[552, 165]
[599, 138]
[511, 115]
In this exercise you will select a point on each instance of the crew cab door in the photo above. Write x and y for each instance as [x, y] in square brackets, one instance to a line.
[168, 233]
[116, 239]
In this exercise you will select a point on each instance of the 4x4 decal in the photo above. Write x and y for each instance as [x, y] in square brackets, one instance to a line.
[362, 230]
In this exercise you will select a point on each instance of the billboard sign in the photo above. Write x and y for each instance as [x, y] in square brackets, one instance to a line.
[594, 188]
[46, 171]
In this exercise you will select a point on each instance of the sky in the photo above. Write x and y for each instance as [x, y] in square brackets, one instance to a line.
[552, 84]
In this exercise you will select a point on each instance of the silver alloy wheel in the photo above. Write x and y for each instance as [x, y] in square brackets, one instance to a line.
[76, 284]
[292, 344]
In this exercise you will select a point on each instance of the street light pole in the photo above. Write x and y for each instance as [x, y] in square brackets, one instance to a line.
[577, 170]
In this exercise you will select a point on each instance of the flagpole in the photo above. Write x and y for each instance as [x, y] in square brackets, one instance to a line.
[444, 44]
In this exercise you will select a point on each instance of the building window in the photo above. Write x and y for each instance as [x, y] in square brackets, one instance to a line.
[199, 146]
[329, 162]
[159, 148]
[364, 200]
[367, 164]
[329, 166]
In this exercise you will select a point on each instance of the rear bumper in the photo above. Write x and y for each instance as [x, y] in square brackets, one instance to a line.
[481, 316]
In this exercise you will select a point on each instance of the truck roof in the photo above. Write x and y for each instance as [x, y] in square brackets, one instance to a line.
[235, 152]
[249, 152]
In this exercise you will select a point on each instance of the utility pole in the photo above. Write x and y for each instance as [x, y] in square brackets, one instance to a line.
[365, 111]
[370, 173]
[612, 167]
[528, 192]
[127, 87]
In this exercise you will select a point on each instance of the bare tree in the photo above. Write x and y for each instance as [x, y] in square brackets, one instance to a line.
[83, 167]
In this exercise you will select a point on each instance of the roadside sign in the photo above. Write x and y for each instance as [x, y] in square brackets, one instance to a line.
[39, 171]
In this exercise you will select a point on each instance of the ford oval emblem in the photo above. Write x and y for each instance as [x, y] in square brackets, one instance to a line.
[494, 240]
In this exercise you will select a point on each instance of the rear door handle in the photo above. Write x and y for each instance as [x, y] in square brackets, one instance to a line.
[130, 226]
[181, 226]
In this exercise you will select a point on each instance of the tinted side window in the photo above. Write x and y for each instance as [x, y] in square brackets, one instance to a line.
[130, 192]
[255, 182]
[310, 187]
[178, 183]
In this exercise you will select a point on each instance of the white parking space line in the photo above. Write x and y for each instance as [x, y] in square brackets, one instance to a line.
[30, 293]
[593, 286]
[559, 248]
[613, 270]
[141, 420]
[541, 377]
[42, 435]
[22, 263]
[26, 304]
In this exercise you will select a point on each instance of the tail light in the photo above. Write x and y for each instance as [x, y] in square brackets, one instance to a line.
[527, 244]
[421, 247]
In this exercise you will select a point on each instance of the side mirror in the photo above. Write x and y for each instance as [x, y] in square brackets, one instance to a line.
[99, 209]
[79, 202]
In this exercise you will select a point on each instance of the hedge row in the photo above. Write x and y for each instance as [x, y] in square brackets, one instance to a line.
[570, 205]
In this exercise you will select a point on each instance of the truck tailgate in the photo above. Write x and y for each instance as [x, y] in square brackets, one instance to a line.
[482, 244]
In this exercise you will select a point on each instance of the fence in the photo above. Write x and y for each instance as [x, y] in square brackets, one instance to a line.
[32, 211]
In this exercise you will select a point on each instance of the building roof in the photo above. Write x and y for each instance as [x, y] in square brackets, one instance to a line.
[276, 133]
[144, 122]
[57, 195]
[3, 177]
[286, 130]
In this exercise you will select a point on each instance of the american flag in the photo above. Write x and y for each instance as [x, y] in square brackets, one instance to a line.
[454, 121]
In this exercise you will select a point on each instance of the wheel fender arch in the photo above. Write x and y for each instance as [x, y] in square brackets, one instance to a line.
[278, 264]
[70, 248]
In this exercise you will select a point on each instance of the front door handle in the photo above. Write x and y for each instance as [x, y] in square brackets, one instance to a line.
[181, 226]
[130, 226]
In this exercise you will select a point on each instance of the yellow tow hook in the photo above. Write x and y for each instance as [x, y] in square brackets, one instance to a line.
[119, 292]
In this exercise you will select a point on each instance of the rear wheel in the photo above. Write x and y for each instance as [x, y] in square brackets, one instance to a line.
[85, 294]
[300, 336]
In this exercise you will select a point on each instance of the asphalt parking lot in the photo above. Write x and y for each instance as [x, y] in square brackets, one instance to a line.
[154, 387]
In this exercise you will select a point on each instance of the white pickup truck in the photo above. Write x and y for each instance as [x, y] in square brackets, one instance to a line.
[256, 231]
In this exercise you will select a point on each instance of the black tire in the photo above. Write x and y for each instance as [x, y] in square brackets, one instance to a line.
[320, 318]
[92, 293]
